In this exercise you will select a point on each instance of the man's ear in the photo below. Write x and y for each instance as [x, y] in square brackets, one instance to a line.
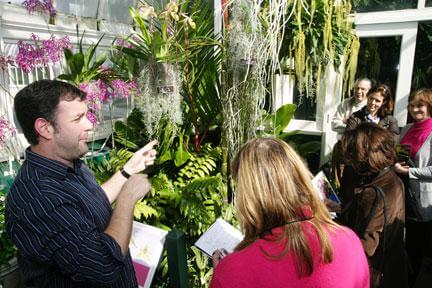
[44, 128]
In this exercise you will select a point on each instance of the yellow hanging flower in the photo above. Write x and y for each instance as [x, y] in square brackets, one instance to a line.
[147, 12]
[171, 9]
[189, 21]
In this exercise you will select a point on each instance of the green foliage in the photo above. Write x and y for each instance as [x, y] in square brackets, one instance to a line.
[84, 66]
[200, 264]
[7, 248]
[423, 58]
[183, 35]
[320, 34]
[276, 123]
[188, 190]
[382, 5]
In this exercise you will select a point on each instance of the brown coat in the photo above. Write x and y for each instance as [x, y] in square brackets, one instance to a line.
[359, 201]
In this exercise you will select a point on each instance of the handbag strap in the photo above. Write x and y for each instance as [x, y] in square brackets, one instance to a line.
[379, 193]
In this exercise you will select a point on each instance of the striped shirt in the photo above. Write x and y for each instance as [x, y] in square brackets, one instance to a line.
[56, 215]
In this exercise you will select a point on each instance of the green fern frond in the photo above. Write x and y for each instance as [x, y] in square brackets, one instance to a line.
[144, 210]
[119, 157]
[200, 166]
[200, 185]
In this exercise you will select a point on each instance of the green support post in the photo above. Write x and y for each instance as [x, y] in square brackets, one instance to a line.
[177, 259]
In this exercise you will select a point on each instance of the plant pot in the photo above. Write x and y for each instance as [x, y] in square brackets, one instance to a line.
[10, 276]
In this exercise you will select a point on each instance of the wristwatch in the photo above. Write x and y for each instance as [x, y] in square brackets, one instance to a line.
[124, 173]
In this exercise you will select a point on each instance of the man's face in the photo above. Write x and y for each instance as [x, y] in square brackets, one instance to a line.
[71, 130]
[360, 90]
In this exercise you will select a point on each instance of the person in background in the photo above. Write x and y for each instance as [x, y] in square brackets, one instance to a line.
[418, 137]
[290, 239]
[378, 217]
[60, 219]
[378, 110]
[339, 121]
[351, 105]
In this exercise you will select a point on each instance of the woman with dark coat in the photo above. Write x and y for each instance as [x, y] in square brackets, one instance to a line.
[370, 152]
[378, 110]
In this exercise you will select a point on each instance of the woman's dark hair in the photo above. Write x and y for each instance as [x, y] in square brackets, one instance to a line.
[40, 99]
[369, 148]
[388, 104]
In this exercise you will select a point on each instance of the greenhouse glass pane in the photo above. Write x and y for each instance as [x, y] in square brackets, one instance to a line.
[306, 106]
[12, 1]
[422, 72]
[79, 8]
[379, 59]
[115, 10]
[382, 5]
[117, 110]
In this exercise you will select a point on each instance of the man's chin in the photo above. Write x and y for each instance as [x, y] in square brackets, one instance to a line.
[358, 99]
[84, 149]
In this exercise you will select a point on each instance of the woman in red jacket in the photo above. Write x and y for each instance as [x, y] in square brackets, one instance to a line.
[290, 239]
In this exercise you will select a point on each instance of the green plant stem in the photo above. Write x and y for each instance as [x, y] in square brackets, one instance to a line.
[193, 108]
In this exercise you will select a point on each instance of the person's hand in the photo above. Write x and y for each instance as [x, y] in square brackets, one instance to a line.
[401, 168]
[141, 159]
[345, 120]
[218, 255]
[135, 188]
[332, 206]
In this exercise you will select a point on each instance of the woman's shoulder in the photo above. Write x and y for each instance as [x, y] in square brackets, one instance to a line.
[359, 113]
[390, 118]
[236, 269]
[346, 242]
[344, 234]
[406, 128]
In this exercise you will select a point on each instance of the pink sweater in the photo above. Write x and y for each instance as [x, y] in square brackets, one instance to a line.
[250, 267]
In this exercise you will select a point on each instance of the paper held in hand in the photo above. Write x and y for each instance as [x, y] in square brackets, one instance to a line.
[323, 187]
[220, 235]
[146, 247]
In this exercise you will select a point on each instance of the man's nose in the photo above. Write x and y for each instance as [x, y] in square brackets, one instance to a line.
[88, 125]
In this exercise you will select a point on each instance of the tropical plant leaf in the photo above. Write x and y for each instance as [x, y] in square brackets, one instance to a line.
[283, 116]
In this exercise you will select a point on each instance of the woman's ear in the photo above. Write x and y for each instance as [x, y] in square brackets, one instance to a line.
[44, 128]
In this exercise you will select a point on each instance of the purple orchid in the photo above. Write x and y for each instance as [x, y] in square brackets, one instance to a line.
[6, 130]
[40, 6]
[31, 56]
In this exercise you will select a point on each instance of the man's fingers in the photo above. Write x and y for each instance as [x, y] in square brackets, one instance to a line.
[148, 146]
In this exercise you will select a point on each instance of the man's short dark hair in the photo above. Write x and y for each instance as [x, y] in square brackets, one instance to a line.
[40, 99]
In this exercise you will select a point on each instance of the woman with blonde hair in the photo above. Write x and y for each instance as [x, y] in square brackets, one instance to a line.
[290, 239]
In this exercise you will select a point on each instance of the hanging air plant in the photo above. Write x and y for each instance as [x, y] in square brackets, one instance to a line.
[246, 93]
[160, 85]
[157, 47]
[253, 40]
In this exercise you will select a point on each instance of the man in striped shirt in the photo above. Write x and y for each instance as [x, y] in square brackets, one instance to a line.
[60, 219]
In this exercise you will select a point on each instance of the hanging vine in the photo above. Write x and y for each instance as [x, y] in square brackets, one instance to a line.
[320, 34]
